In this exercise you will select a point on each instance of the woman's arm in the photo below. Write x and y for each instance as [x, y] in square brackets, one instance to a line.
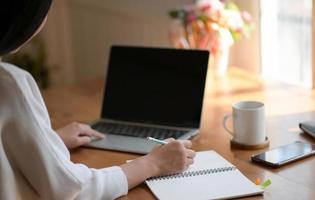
[171, 158]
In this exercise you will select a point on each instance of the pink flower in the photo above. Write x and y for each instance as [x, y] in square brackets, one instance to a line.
[210, 5]
[246, 17]
[239, 30]
[191, 17]
[205, 8]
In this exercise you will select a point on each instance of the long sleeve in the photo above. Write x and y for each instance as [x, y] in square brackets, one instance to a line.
[38, 154]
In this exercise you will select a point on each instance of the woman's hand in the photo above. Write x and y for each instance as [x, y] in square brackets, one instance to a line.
[174, 157]
[77, 134]
[170, 158]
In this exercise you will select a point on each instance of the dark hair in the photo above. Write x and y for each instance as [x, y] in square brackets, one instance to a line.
[19, 20]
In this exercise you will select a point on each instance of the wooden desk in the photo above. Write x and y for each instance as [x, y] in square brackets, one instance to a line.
[285, 107]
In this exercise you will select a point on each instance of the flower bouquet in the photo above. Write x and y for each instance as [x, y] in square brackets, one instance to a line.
[213, 25]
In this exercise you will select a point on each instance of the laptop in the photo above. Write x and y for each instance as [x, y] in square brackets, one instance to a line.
[151, 92]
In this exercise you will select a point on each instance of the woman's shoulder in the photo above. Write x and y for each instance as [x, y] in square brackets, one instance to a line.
[13, 71]
[18, 89]
[14, 81]
[12, 76]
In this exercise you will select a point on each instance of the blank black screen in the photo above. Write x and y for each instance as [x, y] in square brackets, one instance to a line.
[155, 85]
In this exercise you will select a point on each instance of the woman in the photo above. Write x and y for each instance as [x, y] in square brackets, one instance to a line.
[34, 159]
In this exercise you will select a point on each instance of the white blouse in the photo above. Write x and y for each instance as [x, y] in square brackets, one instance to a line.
[34, 161]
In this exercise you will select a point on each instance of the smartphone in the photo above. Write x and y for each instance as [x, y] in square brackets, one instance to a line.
[285, 154]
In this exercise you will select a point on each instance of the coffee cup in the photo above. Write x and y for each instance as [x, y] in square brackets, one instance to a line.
[248, 123]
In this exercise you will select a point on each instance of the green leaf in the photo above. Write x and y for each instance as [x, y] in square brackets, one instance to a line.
[231, 6]
[177, 14]
[173, 13]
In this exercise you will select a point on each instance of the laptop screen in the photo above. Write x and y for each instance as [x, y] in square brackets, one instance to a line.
[155, 85]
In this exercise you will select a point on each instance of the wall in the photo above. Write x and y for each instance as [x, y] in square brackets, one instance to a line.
[246, 52]
[79, 34]
[58, 41]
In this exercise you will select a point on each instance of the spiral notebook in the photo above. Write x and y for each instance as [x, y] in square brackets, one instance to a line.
[210, 177]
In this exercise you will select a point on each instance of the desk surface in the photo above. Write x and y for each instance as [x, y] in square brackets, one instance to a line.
[285, 107]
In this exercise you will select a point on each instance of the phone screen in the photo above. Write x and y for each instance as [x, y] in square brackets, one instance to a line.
[286, 153]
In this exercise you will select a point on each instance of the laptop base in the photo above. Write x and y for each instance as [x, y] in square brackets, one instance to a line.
[123, 143]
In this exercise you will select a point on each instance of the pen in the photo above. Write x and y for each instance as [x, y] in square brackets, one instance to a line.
[156, 140]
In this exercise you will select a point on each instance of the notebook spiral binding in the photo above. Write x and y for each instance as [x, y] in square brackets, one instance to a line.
[193, 173]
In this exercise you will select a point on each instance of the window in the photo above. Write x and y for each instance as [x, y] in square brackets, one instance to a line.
[286, 44]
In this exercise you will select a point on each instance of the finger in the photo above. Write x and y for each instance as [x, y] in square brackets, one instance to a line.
[96, 134]
[186, 143]
[168, 140]
[83, 140]
[189, 161]
[190, 153]
[88, 131]
[186, 167]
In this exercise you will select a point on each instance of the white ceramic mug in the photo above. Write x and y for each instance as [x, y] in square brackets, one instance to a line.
[248, 123]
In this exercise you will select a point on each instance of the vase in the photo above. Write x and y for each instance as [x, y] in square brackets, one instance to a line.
[219, 61]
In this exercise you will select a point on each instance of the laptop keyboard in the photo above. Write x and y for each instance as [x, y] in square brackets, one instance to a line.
[138, 131]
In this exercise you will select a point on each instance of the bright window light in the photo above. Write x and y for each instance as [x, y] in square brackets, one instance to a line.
[286, 42]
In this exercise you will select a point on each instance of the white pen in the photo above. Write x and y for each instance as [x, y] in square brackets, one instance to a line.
[156, 140]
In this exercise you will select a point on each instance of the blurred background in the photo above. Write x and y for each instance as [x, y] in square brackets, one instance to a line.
[75, 43]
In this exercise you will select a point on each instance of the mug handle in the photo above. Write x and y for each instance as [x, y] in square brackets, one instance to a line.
[226, 117]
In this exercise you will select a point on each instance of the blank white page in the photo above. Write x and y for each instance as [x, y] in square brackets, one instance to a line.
[208, 160]
[228, 184]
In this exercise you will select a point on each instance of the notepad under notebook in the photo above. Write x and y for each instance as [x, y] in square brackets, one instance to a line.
[210, 177]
